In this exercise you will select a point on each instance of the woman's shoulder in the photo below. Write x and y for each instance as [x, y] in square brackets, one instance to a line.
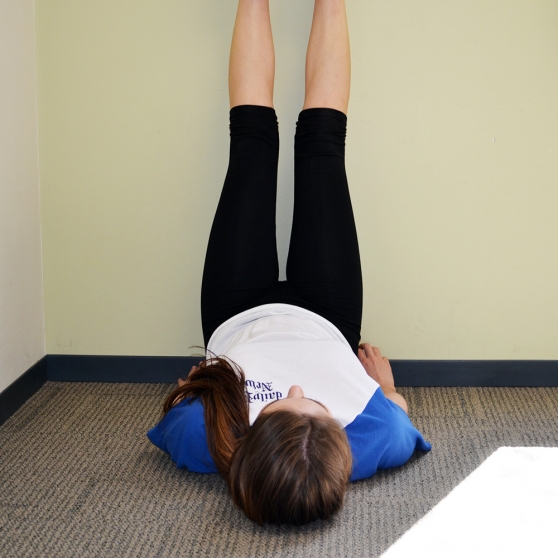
[181, 433]
[382, 437]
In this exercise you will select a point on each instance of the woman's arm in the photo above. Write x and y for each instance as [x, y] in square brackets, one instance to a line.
[379, 369]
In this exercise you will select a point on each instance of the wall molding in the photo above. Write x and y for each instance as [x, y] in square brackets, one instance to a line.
[475, 373]
[18, 392]
[158, 369]
[120, 369]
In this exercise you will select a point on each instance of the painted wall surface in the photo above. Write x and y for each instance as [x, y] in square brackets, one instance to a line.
[22, 339]
[452, 161]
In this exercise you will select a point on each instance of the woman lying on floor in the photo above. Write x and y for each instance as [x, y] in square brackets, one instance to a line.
[293, 407]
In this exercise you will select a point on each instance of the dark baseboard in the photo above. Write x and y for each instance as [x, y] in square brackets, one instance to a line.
[475, 373]
[154, 369]
[412, 373]
[122, 369]
[17, 393]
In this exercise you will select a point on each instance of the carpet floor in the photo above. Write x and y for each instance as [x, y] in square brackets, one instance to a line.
[78, 477]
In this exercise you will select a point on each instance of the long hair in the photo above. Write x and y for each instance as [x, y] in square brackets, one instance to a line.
[288, 468]
[222, 388]
[291, 468]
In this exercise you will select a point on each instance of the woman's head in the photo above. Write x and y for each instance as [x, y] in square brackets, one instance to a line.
[291, 467]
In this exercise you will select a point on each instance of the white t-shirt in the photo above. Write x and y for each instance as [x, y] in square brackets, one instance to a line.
[280, 345]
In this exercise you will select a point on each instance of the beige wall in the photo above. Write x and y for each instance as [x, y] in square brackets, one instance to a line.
[452, 161]
[22, 341]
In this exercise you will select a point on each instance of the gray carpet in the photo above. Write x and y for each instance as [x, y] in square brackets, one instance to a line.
[79, 477]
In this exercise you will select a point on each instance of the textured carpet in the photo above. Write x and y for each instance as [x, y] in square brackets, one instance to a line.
[78, 477]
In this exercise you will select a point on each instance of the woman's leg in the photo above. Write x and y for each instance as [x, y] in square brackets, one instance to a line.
[328, 60]
[252, 61]
[323, 265]
[241, 259]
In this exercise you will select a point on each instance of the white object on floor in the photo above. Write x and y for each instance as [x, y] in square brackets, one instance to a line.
[507, 507]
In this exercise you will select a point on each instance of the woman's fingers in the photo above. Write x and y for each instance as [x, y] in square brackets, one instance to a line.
[366, 348]
[370, 351]
[181, 382]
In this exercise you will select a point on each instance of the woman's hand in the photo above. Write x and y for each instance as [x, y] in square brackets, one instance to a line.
[181, 382]
[379, 369]
[376, 366]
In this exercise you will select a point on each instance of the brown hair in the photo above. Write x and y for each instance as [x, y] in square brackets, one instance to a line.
[291, 468]
[287, 468]
[221, 385]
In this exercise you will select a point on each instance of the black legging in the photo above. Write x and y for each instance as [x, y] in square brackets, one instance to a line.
[323, 266]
